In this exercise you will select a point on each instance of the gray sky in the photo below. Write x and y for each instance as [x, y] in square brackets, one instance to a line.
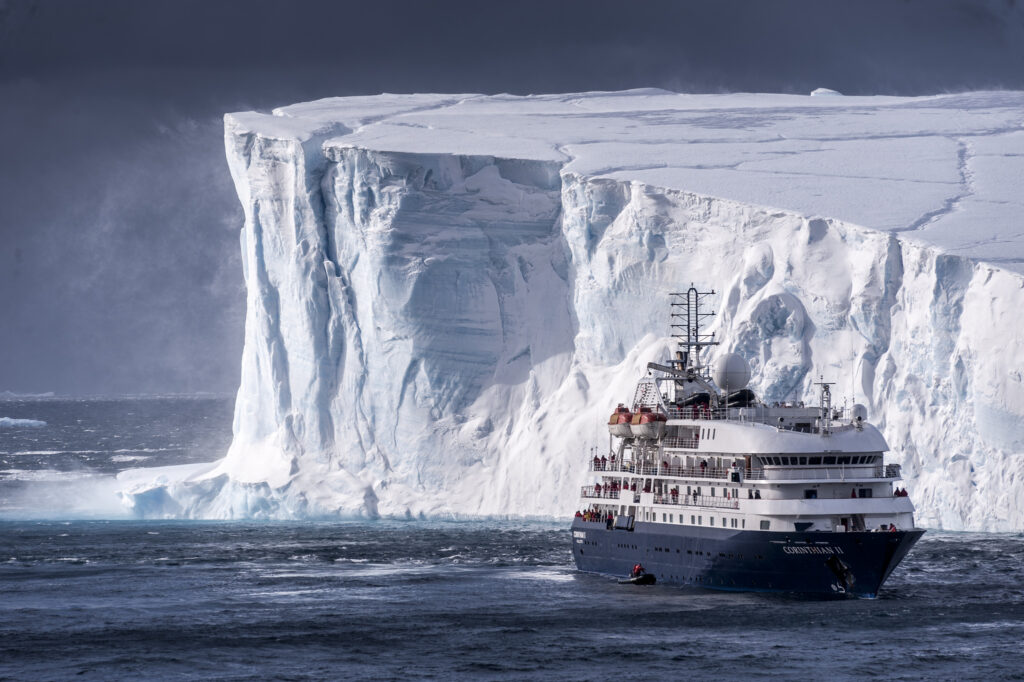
[119, 263]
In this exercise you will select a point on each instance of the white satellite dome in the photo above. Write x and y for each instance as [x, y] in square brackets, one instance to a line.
[860, 413]
[731, 372]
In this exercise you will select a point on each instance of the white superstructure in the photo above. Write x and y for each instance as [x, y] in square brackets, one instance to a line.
[723, 459]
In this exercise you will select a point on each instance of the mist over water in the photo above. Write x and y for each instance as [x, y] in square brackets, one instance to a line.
[65, 468]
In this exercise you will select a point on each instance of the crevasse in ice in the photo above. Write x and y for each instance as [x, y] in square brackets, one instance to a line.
[448, 294]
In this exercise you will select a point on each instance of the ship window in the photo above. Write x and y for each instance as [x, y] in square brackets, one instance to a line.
[844, 460]
[713, 432]
[700, 520]
[723, 522]
[734, 523]
[814, 460]
[670, 519]
[810, 494]
[803, 460]
[688, 491]
[765, 525]
[711, 520]
[830, 460]
[664, 518]
[693, 519]
[864, 492]
[743, 523]
[712, 492]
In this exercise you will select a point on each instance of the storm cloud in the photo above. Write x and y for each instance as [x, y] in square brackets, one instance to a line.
[119, 264]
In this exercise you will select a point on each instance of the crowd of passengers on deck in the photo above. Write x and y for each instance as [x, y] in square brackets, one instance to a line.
[596, 515]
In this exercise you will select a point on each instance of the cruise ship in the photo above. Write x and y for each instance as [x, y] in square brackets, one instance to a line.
[704, 484]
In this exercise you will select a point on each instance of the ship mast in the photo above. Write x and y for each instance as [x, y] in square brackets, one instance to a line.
[825, 403]
[686, 321]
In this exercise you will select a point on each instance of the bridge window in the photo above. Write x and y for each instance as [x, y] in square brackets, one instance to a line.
[803, 460]
[814, 461]
[830, 460]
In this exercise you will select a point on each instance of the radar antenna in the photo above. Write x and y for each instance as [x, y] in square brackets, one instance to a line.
[687, 318]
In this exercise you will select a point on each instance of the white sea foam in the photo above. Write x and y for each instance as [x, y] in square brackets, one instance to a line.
[20, 453]
[10, 395]
[9, 423]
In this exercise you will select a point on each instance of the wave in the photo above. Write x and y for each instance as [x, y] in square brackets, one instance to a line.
[9, 423]
[47, 475]
[119, 458]
[11, 395]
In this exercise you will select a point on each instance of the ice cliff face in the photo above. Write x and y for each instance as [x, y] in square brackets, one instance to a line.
[447, 295]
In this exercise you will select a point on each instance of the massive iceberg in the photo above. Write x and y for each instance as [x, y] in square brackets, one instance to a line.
[448, 294]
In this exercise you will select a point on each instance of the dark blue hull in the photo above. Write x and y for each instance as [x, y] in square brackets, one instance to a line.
[817, 563]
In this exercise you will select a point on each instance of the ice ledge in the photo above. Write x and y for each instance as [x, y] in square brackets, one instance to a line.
[944, 170]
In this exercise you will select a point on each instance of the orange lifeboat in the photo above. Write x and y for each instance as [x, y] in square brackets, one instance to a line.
[619, 422]
[648, 424]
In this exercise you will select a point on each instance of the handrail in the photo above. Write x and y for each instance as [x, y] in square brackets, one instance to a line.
[658, 470]
[697, 412]
[830, 473]
[689, 443]
[605, 493]
[684, 500]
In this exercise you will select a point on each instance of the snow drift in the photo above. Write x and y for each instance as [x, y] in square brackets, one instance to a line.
[447, 294]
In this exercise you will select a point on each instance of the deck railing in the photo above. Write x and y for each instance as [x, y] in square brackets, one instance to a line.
[659, 470]
[829, 473]
[697, 501]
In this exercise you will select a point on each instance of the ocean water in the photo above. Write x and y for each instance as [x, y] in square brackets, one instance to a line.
[120, 598]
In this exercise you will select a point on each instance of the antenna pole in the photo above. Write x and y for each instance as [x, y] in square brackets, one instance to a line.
[687, 318]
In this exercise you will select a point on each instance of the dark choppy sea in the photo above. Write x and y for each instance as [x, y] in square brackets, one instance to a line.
[112, 599]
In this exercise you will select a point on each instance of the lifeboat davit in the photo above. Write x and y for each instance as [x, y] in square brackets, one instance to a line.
[648, 424]
[619, 422]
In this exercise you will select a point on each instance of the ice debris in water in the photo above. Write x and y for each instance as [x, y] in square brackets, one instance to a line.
[9, 423]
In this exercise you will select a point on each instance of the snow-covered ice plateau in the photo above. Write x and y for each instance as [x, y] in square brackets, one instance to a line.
[447, 294]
